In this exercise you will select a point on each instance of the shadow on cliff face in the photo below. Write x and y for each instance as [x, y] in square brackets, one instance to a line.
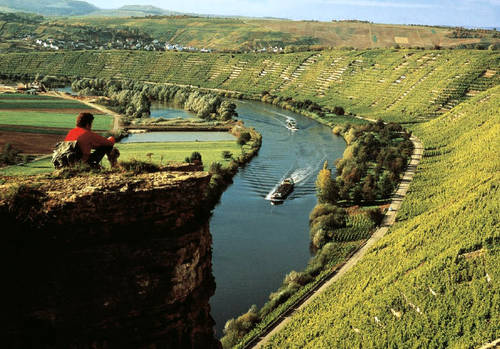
[128, 279]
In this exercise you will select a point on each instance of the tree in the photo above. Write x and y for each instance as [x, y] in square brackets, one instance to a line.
[368, 189]
[326, 187]
[244, 138]
[338, 110]
[385, 185]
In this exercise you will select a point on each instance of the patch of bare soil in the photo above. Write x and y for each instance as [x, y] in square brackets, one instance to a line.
[30, 143]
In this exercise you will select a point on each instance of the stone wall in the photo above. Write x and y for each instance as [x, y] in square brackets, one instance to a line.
[115, 261]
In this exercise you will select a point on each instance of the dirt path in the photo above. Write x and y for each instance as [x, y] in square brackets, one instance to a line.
[116, 116]
[388, 221]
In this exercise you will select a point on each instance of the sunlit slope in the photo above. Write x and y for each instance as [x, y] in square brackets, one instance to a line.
[434, 280]
[400, 85]
[247, 33]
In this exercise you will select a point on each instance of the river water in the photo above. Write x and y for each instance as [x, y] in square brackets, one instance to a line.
[255, 244]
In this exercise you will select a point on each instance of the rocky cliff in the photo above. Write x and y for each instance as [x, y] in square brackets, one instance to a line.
[107, 261]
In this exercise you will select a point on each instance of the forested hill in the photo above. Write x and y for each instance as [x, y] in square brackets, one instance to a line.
[433, 280]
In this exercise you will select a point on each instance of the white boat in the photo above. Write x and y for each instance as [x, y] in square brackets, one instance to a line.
[291, 125]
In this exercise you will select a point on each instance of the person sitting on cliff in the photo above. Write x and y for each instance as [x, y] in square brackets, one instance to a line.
[88, 140]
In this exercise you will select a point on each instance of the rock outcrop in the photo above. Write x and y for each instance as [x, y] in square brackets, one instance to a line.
[107, 261]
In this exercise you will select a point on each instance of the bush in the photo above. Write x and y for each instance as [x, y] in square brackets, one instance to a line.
[227, 154]
[235, 329]
[137, 166]
[194, 158]
[23, 202]
[338, 110]
[375, 215]
[296, 278]
[215, 168]
[324, 219]
[321, 210]
[244, 138]
[9, 155]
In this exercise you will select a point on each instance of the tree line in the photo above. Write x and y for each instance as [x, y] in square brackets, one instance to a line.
[133, 98]
[369, 171]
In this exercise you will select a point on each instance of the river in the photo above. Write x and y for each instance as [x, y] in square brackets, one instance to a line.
[255, 244]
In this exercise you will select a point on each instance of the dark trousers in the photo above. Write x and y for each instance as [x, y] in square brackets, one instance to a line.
[96, 157]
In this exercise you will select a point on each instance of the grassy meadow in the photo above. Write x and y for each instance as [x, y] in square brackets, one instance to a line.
[161, 154]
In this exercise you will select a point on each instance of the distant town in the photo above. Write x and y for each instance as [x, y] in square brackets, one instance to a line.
[127, 44]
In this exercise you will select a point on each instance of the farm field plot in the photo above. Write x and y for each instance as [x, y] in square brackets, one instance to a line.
[19, 103]
[34, 123]
[30, 143]
[41, 119]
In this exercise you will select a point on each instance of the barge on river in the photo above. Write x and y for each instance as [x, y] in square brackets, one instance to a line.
[282, 191]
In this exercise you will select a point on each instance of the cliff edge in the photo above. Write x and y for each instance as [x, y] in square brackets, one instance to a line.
[107, 261]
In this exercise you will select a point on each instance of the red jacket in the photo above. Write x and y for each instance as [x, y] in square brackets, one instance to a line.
[87, 140]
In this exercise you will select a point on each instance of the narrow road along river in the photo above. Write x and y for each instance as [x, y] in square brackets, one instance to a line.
[255, 244]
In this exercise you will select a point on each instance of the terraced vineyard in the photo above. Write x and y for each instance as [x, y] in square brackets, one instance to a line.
[398, 85]
[433, 280]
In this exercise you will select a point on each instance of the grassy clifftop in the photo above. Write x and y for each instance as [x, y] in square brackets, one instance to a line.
[433, 281]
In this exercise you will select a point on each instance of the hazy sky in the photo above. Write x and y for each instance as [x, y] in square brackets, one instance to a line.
[482, 13]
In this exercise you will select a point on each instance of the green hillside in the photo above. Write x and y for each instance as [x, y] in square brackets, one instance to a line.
[433, 280]
[398, 85]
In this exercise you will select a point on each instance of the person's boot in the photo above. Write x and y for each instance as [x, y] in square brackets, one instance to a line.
[113, 157]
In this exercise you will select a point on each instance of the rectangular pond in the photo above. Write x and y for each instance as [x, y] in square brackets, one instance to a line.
[178, 136]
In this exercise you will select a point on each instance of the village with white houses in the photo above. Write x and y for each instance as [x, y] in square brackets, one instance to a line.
[127, 44]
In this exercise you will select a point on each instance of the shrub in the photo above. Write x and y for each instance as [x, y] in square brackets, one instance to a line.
[244, 138]
[321, 210]
[9, 155]
[235, 329]
[23, 202]
[338, 130]
[215, 168]
[194, 158]
[338, 110]
[137, 166]
[296, 278]
[227, 154]
[375, 215]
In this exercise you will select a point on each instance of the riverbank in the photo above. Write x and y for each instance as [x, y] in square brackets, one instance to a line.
[259, 341]
[298, 286]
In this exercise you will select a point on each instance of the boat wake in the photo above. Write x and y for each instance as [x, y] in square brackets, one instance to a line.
[298, 176]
